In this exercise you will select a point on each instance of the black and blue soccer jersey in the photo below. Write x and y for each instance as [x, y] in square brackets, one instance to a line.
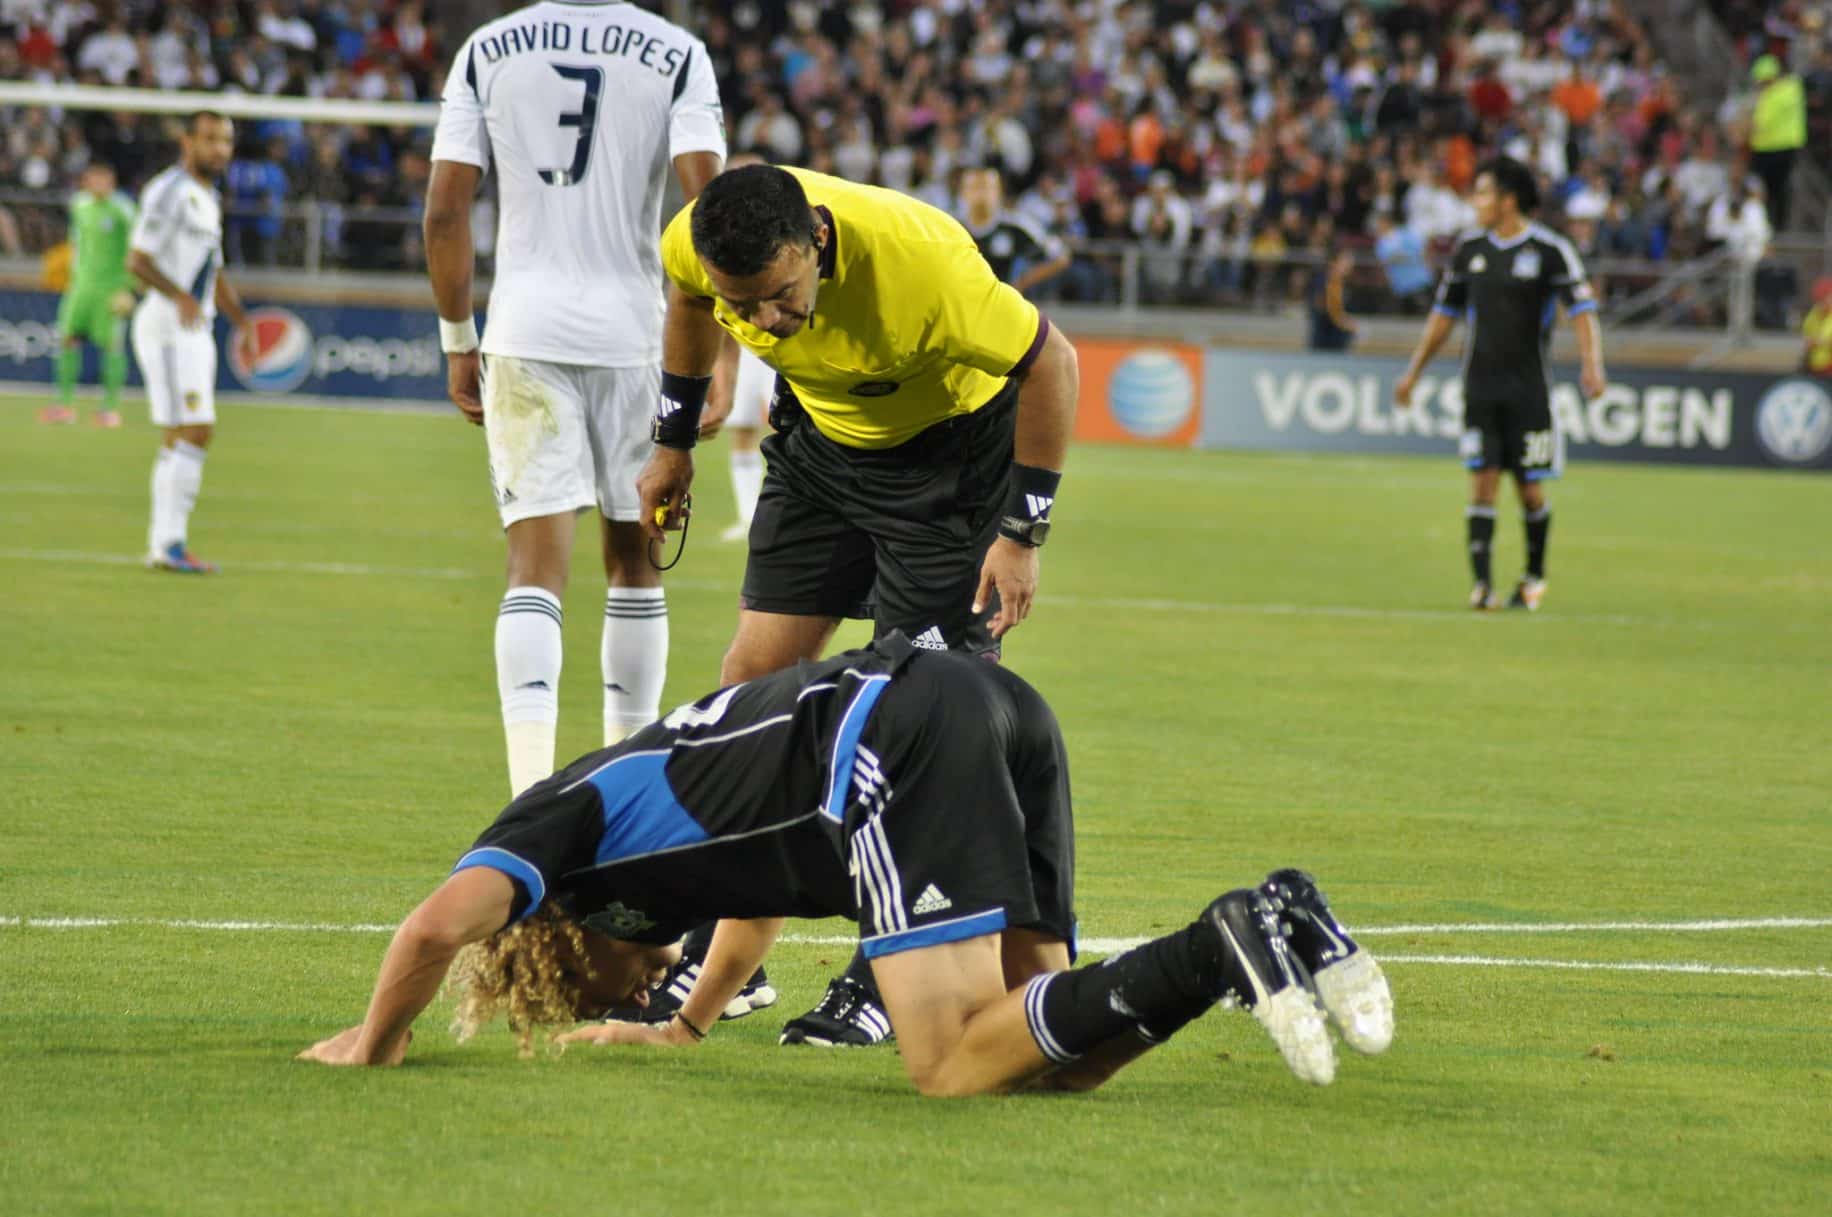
[1506, 291]
[715, 811]
[1014, 238]
[923, 793]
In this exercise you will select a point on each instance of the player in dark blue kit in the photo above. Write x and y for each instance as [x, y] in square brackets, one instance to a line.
[923, 794]
[1507, 281]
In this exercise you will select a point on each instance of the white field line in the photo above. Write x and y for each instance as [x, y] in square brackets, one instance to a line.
[1124, 604]
[1579, 965]
[1106, 946]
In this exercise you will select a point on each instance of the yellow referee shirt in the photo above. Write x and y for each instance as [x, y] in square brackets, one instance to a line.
[910, 325]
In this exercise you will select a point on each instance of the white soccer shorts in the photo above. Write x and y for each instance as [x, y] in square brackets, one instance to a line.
[564, 437]
[179, 368]
[751, 395]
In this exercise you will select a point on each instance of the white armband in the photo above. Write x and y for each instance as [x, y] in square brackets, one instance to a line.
[458, 337]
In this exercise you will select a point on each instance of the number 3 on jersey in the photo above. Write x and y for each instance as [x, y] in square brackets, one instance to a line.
[585, 118]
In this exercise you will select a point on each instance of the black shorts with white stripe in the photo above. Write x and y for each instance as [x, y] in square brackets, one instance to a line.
[958, 822]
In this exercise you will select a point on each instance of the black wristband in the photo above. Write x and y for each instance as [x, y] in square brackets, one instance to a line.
[1026, 517]
[692, 1030]
[677, 415]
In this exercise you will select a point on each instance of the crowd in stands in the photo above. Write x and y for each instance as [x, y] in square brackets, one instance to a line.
[1233, 143]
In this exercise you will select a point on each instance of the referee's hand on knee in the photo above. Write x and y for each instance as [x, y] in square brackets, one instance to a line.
[1010, 571]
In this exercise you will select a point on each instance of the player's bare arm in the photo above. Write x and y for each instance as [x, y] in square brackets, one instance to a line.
[446, 230]
[1591, 375]
[1437, 329]
[691, 340]
[467, 908]
[229, 303]
[738, 949]
[1046, 418]
[141, 265]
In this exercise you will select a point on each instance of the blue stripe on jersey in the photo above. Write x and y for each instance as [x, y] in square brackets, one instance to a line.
[846, 744]
[936, 933]
[1582, 306]
[1548, 314]
[202, 284]
[1444, 310]
[641, 814]
[517, 868]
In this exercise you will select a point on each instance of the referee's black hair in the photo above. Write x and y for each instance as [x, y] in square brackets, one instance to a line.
[1512, 177]
[745, 216]
[197, 116]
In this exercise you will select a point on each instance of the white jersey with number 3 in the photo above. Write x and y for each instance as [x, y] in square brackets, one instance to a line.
[180, 227]
[581, 107]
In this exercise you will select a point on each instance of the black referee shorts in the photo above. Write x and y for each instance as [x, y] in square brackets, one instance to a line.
[896, 535]
[1515, 432]
[960, 822]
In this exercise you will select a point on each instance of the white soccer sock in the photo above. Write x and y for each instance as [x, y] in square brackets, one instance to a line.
[187, 474]
[635, 658]
[528, 681]
[747, 481]
[159, 531]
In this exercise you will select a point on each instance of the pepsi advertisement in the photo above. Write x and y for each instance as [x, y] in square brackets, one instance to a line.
[306, 349]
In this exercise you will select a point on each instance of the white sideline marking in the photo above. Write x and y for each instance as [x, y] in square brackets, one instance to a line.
[1582, 927]
[1107, 946]
[1578, 965]
[1118, 603]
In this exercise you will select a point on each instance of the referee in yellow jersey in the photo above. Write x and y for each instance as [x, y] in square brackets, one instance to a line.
[922, 412]
[921, 417]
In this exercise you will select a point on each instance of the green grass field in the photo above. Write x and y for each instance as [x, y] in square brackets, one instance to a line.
[1256, 659]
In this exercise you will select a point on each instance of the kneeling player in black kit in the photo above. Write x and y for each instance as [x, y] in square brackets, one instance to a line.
[1507, 281]
[925, 794]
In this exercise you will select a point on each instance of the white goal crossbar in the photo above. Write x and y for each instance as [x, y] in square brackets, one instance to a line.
[233, 105]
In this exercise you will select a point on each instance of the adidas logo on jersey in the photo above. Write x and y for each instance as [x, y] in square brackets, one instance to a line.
[1039, 505]
[931, 901]
[930, 640]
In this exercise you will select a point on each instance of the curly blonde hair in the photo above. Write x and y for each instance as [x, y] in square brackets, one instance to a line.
[517, 972]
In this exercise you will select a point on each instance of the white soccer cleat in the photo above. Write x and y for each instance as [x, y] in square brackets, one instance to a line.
[1267, 981]
[1355, 993]
[1346, 978]
[1292, 1019]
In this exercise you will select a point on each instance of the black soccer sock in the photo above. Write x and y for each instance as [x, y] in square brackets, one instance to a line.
[1539, 524]
[859, 970]
[1154, 990]
[1481, 522]
[698, 941]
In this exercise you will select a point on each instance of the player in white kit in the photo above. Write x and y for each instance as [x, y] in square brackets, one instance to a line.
[177, 251]
[581, 108]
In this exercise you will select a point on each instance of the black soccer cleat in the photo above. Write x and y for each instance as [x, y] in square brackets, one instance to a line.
[666, 998]
[1347, 980]
[848, 1015]
[1527, 594]
[1264, 979]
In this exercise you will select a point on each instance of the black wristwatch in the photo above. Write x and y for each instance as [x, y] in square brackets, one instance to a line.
[1025, 532]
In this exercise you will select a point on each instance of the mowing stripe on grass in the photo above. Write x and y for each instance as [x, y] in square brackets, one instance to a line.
[1123, 604]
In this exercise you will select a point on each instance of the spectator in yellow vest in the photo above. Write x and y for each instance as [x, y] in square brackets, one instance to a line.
[1777, 132]
[1816, 360]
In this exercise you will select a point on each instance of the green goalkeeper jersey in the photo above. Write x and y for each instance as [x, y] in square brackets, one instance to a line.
[99, 231]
